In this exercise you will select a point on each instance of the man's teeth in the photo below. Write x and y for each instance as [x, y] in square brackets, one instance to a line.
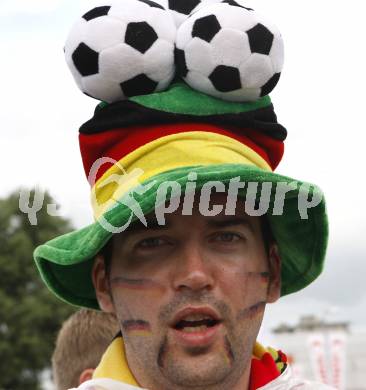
[191, 329]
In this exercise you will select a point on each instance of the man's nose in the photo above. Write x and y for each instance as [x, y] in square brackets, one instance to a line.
[192, 271]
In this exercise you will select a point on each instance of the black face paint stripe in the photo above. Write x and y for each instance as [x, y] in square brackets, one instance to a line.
[129, 281]
[229, 349]
[162, 351]
[249, 311]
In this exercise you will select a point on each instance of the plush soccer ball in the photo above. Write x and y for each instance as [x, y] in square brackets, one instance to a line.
[229, 51]
[122, 49]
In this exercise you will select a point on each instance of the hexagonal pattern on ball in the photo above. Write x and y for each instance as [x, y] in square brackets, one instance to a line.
[158, 62]
[131, 59]
[183, 6]
[195, 52]
[140, 35]
[225, 78]
[86, 60]
[256, 71]
[206, 28]
[96, 12]
[230, 47]
[103, 32]
[139, 85]
[102, 88]
[260, 39]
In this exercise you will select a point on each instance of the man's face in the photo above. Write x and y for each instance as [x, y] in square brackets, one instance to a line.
[190, 297]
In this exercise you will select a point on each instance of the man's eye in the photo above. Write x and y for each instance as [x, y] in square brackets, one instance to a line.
[228, 237]
[152, 242]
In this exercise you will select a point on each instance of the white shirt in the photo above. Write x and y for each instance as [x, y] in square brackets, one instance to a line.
[286, 381]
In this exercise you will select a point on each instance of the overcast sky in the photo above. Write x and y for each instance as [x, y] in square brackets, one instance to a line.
[320, 99]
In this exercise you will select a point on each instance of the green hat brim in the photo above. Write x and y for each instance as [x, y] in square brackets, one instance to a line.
[65, 263]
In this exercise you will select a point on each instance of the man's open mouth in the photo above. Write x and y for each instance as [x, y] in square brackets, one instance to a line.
[191, 326]
[196, 327]
[194, 319]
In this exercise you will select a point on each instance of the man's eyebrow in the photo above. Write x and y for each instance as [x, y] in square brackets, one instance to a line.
[152, 224]
[227, 222]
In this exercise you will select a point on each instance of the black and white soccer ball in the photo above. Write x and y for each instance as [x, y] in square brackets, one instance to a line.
[121, 49]
[229, 51]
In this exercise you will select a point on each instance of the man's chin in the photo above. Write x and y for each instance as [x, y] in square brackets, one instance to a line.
[199, 365]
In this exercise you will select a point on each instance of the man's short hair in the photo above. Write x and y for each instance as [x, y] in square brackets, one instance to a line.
[81, 342]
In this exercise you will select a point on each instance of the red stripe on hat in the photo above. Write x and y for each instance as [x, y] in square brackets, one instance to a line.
[118, 143]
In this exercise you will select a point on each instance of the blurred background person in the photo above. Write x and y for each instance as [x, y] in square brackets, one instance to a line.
[80, 344]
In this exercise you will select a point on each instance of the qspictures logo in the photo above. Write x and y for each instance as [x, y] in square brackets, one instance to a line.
[172, 196]
[255, 198]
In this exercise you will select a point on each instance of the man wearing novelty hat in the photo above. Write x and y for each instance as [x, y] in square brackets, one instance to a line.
[194, 234]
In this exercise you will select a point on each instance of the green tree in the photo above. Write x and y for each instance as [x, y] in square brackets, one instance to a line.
[30, 315]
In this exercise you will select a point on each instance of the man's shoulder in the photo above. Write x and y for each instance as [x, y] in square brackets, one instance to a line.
[287, 381]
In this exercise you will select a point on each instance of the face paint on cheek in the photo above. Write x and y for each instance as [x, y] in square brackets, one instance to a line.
[228, 355]
[136, 328]
[162, 351]
[251, 311]
[133, 284]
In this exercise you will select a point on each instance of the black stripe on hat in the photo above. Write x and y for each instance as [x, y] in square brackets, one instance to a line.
[127, 113]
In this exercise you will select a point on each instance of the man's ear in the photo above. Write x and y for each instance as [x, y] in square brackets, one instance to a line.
[274, 288]
[101, 285]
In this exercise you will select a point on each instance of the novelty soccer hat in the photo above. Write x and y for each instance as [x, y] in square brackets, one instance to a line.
[214, 122]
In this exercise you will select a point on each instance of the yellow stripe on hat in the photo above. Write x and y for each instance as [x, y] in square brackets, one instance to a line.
[167, 153]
